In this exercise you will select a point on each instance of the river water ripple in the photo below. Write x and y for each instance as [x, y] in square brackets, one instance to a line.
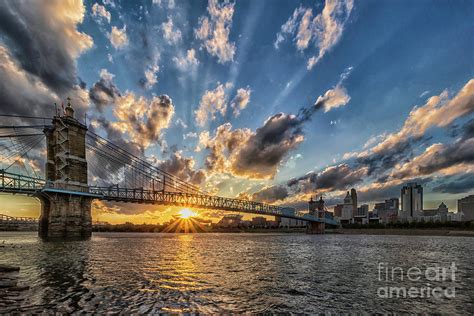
[209, 273]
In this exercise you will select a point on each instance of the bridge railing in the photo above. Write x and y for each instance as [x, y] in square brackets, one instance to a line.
[197, 201]
[17, 182]
[10, 220]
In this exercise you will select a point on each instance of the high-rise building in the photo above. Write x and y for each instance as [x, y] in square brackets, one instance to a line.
[354, 201]
[338, 210]
[347, 208]
[392, 204]
[412, 200]
[466, 206]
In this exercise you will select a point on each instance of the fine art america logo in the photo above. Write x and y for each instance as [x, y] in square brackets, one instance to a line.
[428, 277]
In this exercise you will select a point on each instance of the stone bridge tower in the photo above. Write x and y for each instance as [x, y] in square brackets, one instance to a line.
[65, 203]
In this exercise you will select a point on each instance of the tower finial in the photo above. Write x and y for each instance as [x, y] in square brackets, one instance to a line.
[69, 109]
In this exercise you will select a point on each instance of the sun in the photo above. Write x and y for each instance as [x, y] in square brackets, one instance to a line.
[186, 213]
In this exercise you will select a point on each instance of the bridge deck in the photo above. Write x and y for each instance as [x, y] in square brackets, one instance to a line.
[19, 184]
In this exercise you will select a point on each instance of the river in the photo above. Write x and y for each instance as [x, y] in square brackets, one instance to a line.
[209, 273]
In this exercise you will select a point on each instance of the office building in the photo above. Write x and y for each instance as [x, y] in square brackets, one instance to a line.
[354, 201]
[466, 206]
[412, 201]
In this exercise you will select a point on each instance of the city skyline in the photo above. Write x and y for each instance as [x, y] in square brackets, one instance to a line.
[275, 104]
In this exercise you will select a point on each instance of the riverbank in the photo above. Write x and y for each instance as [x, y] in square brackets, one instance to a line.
[401, 231]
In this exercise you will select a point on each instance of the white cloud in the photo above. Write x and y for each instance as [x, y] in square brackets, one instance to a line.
[110, 58]
[324, 30]
[241, 100]
[171, 33]
[214, 31]
[188, 62]
[118, 37]
[151, 77]
[100, 12]
[161, 3]
[337, 96]
[211, 102]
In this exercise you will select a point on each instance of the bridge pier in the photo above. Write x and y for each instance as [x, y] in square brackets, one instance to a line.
[65, 202]
[315, 228]
[65, 216]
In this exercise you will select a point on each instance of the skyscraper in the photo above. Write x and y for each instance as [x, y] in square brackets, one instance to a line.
[412, 200]
[354, 201]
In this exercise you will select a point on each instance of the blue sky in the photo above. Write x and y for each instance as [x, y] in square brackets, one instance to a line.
[377, 61]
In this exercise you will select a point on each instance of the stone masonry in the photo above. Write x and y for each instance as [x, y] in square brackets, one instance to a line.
[63, 214]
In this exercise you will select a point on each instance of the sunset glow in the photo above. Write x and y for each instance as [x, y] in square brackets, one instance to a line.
[186, 213]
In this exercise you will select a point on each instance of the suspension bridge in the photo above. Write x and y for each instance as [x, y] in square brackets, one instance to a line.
[81, 166]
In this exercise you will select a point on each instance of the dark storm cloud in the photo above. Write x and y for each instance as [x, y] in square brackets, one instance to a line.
[104, 92]
[183, 168]
[42, 43]
[265, 149]
[455, 185]
[334, 178]
[271, 194]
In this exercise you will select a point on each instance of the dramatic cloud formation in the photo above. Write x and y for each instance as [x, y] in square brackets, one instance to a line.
[143, 119]
[211, 102]
[118, 37]
[100, 12]
[104, 92]
[460, 184]
[183, 168]
[170, 33]
[257, 155]
[187, 63]
[249, 154]
[241, 100]
[439, 111]
[392, 161]
[39, 63]
[214, 31]
[324, 30]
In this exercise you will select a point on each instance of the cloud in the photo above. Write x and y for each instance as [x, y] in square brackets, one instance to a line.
[188, 63]
[118, 37]
[329, 180]
[104, 92]
[171, 34]
[391, 162]
[44, 41]
[458, 184]
[211, 102]
[438, 111]
[332, 98]
[100, 12]
[271, 194]
[257, 155]
[151, 73]
[183, 168]
[143, 119]
[253, 155]
[161, 3]
[324, 30]
[40, 44]
[241, 100]
[214, 31]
